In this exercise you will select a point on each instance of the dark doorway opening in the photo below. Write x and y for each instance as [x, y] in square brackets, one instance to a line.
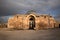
[31, 22]
[59, 25]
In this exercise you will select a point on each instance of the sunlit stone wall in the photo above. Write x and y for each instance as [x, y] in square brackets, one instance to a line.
[45, 21]
[22, 21]
[15, 22]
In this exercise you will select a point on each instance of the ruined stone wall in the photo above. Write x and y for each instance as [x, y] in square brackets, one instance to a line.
[44, 22]
[15, 22]
[22, 22]
[25, 22]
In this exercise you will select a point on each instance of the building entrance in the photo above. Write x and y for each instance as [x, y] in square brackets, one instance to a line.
[31, 22]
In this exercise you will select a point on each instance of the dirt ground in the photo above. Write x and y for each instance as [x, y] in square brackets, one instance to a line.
[49, 34]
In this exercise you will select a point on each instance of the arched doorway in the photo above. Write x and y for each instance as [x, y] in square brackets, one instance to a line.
[31, 22]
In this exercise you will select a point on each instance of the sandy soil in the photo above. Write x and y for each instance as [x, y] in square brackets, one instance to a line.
[50, 34]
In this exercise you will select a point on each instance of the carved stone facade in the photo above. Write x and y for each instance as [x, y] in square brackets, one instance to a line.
[31, 20]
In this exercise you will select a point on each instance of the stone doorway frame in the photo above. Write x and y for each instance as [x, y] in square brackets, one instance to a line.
[31, 22]
[28, 20]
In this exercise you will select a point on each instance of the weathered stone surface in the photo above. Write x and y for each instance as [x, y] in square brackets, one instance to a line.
[32, 20]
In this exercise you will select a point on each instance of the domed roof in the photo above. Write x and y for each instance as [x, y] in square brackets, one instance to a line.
[31, 12]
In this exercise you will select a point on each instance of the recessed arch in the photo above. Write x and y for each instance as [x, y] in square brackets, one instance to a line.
[31, 15]
[31, 22]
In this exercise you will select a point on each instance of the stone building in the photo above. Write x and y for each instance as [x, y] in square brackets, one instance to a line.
[31, 20]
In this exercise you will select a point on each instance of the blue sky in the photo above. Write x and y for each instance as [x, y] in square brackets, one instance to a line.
[11, 7]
